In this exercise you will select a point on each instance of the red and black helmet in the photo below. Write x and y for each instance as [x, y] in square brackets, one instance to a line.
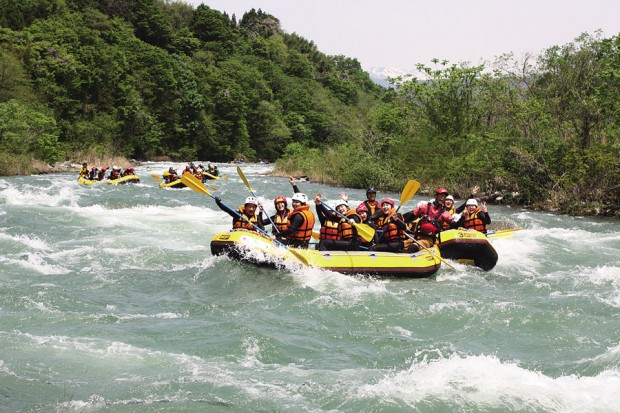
[279, 199]
[442, 191]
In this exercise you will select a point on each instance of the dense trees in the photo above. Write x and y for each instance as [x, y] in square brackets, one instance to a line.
[541, 131]
[153, 79]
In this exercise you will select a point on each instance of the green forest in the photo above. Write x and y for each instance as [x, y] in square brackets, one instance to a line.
[162, 80]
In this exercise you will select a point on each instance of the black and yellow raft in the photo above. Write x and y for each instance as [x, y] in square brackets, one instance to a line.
[468, 247]
[252, 247]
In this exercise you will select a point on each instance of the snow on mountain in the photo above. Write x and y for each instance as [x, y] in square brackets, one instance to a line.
[379, 75]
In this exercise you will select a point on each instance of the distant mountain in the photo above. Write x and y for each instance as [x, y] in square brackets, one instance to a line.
[379, 75]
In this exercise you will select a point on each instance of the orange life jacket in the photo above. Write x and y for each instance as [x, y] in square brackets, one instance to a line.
[329, 230]
[346, 230]
[242, 223]
[282, 222]
[473, 222]
[304, 232]
[391, 232]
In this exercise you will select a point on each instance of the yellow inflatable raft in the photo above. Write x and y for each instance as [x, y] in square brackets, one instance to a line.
[85, 181]
[128, 179]
[252, 247]
[174, 184]
[469, 247]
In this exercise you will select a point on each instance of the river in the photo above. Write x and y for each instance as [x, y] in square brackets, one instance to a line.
[110, 300]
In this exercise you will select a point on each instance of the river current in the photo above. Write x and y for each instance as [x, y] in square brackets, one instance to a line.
[110, 300]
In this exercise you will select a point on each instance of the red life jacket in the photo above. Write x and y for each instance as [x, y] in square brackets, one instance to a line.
[431, 220]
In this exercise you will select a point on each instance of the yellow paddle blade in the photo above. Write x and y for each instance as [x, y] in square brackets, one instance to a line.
[316, 235]
[158, 180]
[155, 176]
[365, 231]
[245, 180]
[409, 191]
[192, 182]
[211, 176]
[503, 233]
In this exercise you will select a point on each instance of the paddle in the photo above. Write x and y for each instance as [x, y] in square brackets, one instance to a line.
[423, 246]
[502, 233]
[217, 178]
[194, 183]
[245, 180]
[155, 176]
[364, 230]
[411, 187]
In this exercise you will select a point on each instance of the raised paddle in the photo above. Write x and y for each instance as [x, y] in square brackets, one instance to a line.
[411, 187]
[245, 180]
[194, 183]
[365, 231]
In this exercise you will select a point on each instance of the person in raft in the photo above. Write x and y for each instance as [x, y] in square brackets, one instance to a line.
[301, 220]
[346, 238]
[474, 217]
[329, 222]
[245, 217]
[371, 202]
[280, 218]
[432, 217]
[386, 220]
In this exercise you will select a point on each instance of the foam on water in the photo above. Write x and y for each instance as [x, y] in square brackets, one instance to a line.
[55, 195]
[487, 382]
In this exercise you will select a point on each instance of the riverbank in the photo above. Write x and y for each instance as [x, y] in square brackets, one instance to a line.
[557, 203]
[37, 167]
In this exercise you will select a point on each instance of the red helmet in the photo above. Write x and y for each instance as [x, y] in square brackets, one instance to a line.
[440, 191]
[279, 199]
[388, 200]
[361, 207]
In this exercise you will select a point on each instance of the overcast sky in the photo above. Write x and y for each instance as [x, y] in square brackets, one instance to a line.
[401, 33]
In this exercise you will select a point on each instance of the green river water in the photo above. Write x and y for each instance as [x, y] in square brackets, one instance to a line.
[110, 300]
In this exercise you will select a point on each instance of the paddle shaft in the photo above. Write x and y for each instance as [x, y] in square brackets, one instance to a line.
[356, 224]
[193, 182]
[245, 180]
[419, 244]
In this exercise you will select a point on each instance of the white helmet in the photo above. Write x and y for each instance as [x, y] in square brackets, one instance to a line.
[471, 201]
[450, 197]
[338, 203]
[251, 200]
[303, 198]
